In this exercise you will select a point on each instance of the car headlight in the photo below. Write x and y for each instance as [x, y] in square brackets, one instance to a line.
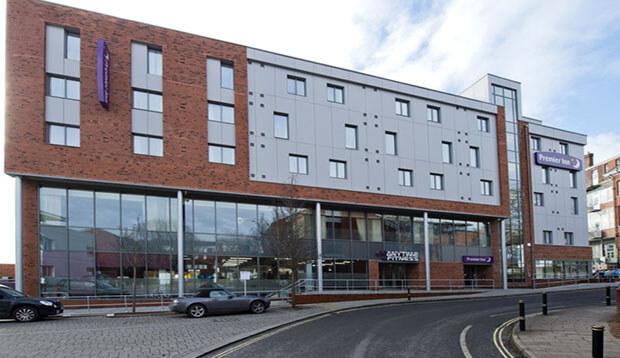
[175, 301]
[46, 303]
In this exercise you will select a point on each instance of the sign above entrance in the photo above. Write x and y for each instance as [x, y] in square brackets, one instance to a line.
[557, 160]
[398, 256]
[478, 260]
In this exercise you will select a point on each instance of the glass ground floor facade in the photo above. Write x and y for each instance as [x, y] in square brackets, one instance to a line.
[92, 242]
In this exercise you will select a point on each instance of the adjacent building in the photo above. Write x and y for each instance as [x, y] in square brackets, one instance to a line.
[135, 146]
[603, 190]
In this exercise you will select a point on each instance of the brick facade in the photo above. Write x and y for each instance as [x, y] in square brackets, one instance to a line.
[7, 270]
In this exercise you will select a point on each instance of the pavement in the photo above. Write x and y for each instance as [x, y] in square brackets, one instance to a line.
[567, 333]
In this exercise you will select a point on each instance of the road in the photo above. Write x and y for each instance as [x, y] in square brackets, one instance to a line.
[429, 329]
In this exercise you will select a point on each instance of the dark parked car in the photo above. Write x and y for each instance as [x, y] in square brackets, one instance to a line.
[218, 300]
[16, 305]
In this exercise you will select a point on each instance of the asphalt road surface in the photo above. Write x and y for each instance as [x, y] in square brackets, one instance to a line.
[429, 329]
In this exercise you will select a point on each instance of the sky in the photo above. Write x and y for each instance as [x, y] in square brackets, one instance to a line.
[565, 53]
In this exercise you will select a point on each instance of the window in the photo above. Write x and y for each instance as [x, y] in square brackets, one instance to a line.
[221, 154]
[296, 85]
[280, 125]
[226, 75]
[402, 107]
[432, 114]
[564, 148]
[337, 169]
[63, 135]
[298, 164]
[390, 143]
[548, 237]
[405, 177]
[546, 175]
[595, 176]
[446, 152]
[147, 145]
[147, 101]
[335, 94]
[535, 143]
[483, 124]
[436, 181]
[539, 199]
[574, 205]
[474, 157]
[221, 113]
[572, 177]
[350, 136]
[154, 66]
[486, 187]
[569, 238]
[72, 46]
[63, 88]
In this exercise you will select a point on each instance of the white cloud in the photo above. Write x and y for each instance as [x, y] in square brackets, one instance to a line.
[604, 146]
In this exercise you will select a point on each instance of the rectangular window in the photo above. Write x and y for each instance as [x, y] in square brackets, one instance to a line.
[548, 237]
[405, 177]
[350, 136]
[219, 112]
[63, 135]
[390, 143]
[539, 199]
[280, 125]
[296, 85]
[595, 176]
[474, 157]
[483, 124]
[402, 107]
[72, 46]
[572, 179]
[154, 66]
[569, 238]
[63, 87]
[446, 152]
[546, 175]
[147, 101]
[148, 145]
[535, 143]
[436, 181]
[221, 154]
[574, 205]
[226, 75]
[297, 164]
[335, 94]
[337, 169]
[486, 187]
[564, 148]
[432, 114]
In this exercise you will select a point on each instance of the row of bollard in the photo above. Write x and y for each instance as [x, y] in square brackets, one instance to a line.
[597, 331]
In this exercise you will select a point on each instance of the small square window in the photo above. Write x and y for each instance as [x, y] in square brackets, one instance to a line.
[432, 114]
[539, 199]
[221, 113]
[483, 124]
[546, 175]
[296, 86]
[437, 181]
[63, 135]
[405, 177]
[535, 143]
[154, 62]
[298, 164]
[226, 75]
[338, 169]
[402, 107]
[569, 238]
[390, 143]
[72, 46]
[146, 145]
[280, 125]
[564, 148]
[548, 237]
[350, 136]
[474, 157]
[335, 94]
[486, 187]
[221, 154]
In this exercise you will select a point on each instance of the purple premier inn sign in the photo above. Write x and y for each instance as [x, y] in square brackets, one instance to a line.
[478, 260]
[557, 160]
[103, 73]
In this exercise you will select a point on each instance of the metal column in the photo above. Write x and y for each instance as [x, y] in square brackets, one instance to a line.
[319, 248]
[502, 229]
[427, 254]
[19, 265]
[180, 225]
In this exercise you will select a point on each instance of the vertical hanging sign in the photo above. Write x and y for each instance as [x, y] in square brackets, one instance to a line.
[103, 73]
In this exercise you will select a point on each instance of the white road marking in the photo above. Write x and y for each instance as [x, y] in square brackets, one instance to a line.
[463, 341]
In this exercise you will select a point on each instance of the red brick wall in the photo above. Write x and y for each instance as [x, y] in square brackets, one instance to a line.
[7, 270]
[526, 197]
[559, 252]
[30, 237]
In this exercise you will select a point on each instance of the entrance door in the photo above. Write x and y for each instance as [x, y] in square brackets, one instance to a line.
[393, 275]
[471, 275]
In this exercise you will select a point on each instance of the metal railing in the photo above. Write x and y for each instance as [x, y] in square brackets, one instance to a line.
[348, 285]
[552, 282]
[9, 283]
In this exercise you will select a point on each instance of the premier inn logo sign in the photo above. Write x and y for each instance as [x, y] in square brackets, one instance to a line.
[398, 256]
[103, 73]
[557, 160]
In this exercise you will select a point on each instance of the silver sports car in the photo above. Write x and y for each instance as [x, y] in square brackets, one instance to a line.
[218, 300]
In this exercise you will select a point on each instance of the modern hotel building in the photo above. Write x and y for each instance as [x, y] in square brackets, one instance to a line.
[138, 146]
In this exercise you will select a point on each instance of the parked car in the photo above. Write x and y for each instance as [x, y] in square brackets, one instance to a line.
[218, 300]
[612, 273]
[16, 305]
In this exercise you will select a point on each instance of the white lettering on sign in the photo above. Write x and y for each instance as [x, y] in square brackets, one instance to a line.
[407, 256]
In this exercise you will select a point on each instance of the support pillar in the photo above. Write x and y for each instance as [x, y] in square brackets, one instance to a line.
[427, 254]
[19, 263]
[180, 226]
[502, 233]
[319, 248]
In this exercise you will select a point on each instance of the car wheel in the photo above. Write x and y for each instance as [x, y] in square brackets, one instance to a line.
[25, 314]
[257, 307]
[197, 310]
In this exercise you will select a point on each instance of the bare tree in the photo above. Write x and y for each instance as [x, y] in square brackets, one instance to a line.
[134, 255]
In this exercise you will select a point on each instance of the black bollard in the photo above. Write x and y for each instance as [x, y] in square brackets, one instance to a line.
[608, 296]
[597, 341]
[521, 315]
[544, 303]
[408, 294]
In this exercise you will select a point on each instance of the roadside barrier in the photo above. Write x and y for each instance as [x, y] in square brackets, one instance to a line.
[521, 315]
[544, 303]
[597, 341]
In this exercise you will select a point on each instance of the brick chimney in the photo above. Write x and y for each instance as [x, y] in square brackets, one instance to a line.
[589, 159]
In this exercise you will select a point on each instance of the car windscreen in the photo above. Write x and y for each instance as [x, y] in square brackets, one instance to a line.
[11, 293]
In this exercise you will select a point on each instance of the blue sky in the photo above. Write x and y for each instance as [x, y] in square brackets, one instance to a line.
[566, 53]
